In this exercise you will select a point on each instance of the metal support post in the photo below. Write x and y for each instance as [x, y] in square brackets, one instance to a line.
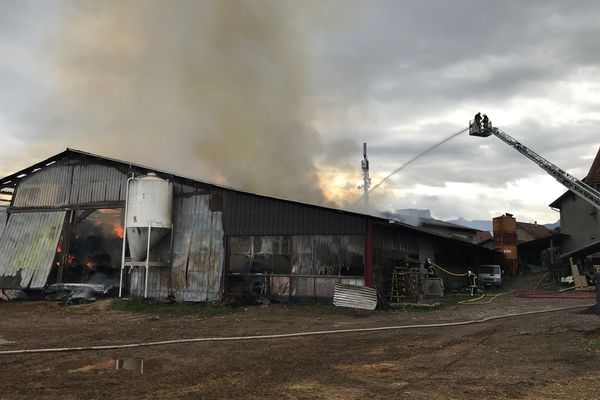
[147, 260]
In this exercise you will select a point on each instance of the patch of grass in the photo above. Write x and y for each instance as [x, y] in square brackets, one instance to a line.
[495, 291]
[157, 308]
[593, 344]
[454, 300]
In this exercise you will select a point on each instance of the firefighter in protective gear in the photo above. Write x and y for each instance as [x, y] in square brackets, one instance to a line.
[478, 121]
[485, 122]
[473, 283]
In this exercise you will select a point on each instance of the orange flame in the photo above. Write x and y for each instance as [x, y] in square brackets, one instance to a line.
[118, 230]
[89, 264]
[59, 249]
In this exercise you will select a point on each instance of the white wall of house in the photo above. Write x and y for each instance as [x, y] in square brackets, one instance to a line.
[579, 220]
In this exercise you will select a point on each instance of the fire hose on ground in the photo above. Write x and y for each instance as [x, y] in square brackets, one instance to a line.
[526, 295]
[284, 335]
[474, 287]
[553, 295]
[446, 271]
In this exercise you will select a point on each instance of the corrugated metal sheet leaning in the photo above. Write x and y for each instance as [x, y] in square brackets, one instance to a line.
[28, 247]
[355, 297]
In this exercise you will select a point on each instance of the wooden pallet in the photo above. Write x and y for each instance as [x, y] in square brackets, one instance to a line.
[405, 285]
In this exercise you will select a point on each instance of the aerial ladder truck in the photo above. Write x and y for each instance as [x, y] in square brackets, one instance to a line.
[481, 126]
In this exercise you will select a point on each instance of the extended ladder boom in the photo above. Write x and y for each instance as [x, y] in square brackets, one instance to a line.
[578, 187]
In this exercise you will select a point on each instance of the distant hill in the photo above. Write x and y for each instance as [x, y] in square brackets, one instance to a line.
[413, 216]
[407, 215]
[553, 226]
[484, 225]
[480, 225]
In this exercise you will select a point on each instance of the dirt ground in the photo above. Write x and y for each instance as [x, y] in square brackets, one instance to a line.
[545, 356]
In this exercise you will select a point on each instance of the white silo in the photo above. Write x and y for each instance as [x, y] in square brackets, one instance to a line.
[149, 209]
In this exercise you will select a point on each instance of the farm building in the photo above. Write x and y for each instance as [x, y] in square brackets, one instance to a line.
[579, 222]
[66, 223]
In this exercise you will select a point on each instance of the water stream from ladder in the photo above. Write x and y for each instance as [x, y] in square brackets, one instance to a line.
[415, 158]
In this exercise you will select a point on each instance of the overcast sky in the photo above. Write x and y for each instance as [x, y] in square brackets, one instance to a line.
[277, 97]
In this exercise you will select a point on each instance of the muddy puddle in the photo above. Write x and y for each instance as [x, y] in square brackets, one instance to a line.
[135, 365]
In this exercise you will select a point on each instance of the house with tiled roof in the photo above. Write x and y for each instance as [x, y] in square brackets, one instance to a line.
[579, 220]
[527, 232]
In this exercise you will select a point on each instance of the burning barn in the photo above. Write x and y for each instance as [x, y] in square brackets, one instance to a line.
[78, 218]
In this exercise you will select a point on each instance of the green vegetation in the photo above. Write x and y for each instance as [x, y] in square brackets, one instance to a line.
[160, 308]
[593, 344]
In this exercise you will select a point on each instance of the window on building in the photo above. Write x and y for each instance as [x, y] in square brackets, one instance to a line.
[259, 255]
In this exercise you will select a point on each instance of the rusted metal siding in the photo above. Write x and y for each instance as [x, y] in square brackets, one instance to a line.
[27, 249]
[71, 182]
[246, 214]
[325, 255]
[158, 282]
[48, 187]
[320, 287]
[304, 255]
[391, 244]
[97, 183]
[298, 265]
[197, 266]
[198, 250]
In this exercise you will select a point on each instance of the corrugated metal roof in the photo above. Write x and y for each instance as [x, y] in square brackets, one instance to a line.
[69, 182]
[2, 219]
[251, 215]
[27, 249]
[244, 213]
[588, 249]
[21, 175]
[97, 183]
[47, 187]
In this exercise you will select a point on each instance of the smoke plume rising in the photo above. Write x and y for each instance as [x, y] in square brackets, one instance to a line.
[212, 89]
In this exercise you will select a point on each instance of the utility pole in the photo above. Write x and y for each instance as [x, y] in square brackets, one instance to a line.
[366, 179]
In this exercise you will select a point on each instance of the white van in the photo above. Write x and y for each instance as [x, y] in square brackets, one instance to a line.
[490, 275]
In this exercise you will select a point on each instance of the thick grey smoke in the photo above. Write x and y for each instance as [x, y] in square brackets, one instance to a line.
[212, 89]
